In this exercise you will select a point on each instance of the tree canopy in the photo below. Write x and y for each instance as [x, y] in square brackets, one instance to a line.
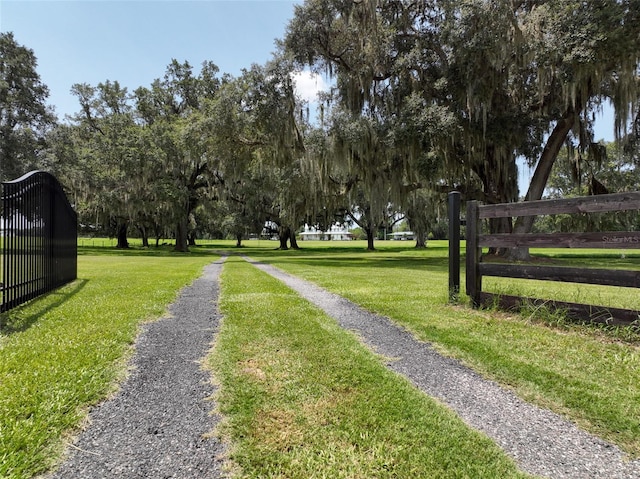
[24, 115]
[426, 97]
[471, 85]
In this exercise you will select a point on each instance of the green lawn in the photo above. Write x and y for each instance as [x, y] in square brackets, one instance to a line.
[302, 398]
[288, 371]
[65, 351]
[587, 374]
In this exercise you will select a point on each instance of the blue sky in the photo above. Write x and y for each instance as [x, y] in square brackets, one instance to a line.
[132, 41]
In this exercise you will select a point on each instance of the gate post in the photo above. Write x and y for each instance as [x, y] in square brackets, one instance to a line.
[474, 253]
[454, 246]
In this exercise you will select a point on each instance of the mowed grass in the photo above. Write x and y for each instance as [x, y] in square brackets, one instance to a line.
[586, 374]
[65, 351]
[302, 398]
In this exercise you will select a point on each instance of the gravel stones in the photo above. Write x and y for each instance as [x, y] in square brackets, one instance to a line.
[158, 424]
[541, 442]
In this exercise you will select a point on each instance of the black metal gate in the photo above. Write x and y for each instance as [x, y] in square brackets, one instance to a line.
[38, 234]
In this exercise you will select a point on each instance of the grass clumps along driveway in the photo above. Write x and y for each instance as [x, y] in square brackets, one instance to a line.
[65, 351]
[302, 398]
[589, 375]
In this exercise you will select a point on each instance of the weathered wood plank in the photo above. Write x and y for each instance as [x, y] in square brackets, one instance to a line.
[590, 204]
[473, 253]
[454, 245]
[605, 240]
[574, 311]
[605, 277]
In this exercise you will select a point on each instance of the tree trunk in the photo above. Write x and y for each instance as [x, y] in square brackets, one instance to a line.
[182, 245]
[143, 234]
[499, 176]
[292, 239]
[283, 233]
[192, 238]
[421, 240]
[239, 240]
[418, 226]
[158, 233]
[371, 232]
[539, 180]
[500, 225]
[122, 236]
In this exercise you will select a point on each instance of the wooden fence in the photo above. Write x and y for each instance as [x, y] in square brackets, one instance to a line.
[476, 269]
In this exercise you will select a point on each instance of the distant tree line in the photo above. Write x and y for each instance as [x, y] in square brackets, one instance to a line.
[427, 96]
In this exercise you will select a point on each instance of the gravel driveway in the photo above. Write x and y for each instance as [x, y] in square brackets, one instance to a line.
[541, 442]
[156, 424]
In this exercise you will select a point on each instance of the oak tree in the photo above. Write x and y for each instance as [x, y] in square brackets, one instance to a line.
[25, 117]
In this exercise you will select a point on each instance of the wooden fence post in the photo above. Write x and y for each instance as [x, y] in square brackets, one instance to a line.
[474, 253]
[454, 246]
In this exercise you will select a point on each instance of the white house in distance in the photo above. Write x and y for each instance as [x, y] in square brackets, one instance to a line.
[336, 232]
[402, 235]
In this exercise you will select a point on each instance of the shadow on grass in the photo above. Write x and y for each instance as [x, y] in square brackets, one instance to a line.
[26, 315]
[160, 251]
[433, 264]
[389, 257]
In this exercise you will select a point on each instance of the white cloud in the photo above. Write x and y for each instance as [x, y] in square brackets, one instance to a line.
[308, 85]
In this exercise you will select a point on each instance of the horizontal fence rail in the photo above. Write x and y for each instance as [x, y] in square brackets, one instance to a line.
[39, 238]
[476, 269]
[583, 204]
[613, 240]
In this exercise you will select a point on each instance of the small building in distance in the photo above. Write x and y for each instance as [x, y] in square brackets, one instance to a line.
[336, 232]
[402, 235]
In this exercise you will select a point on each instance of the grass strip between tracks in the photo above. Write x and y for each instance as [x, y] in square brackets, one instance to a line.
[303, 398]
[588, 374]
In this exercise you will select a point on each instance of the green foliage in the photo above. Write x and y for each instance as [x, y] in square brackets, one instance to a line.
[427, 97]
[578, 173]
[24, 116]
[100, 160]
[602, 168]
[257, 138]
[442, 95]
[171, 111]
